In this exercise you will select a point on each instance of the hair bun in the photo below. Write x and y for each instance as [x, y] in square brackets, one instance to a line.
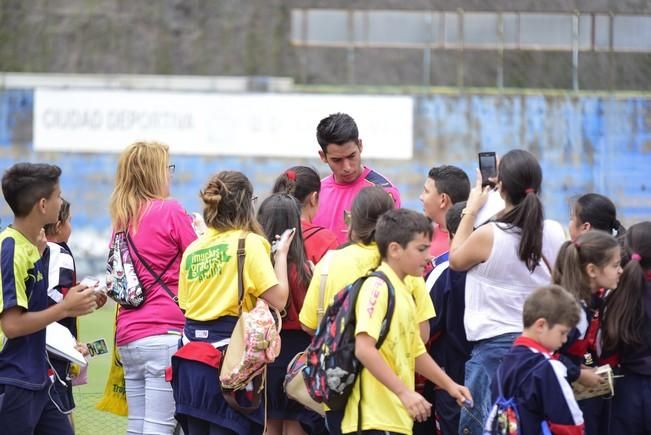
[210, 197]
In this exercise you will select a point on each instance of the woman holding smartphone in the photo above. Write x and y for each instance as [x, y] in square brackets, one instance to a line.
[506, 260]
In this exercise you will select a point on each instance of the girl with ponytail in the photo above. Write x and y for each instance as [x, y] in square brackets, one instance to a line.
[627, 332]
[587, 267]
[506, 260]
[304, 184]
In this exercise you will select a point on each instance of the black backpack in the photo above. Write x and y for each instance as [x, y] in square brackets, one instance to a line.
[332, 367]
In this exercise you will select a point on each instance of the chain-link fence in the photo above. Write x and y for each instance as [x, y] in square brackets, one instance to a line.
[90, 421]
[87, 419]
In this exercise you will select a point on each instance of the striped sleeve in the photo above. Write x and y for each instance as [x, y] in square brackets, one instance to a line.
[561, 411]
[61, 269]
[377, 179]
[13, 275]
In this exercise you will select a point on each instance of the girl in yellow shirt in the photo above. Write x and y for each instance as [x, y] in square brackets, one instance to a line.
[208, 294]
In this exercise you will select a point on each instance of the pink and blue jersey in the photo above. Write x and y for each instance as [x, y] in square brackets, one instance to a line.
[337, 198]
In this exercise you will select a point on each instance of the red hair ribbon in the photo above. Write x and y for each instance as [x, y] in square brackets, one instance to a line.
[636, 257]
[291, 175]
[529, 190]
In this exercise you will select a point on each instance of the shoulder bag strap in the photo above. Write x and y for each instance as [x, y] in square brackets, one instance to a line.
[158, 278]
[322, 285]
[241, 244]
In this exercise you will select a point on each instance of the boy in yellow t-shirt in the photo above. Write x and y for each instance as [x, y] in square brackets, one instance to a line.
[388, 400]
[357, 259]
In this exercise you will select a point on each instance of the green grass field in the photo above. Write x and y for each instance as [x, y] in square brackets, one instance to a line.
[88, 420]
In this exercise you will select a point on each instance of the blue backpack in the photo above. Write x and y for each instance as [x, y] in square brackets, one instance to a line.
[504, 417]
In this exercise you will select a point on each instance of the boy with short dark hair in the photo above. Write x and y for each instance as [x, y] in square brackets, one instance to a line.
[531, 375]
[26, 406]
[445, 186]
[389, 403]
[341, 149]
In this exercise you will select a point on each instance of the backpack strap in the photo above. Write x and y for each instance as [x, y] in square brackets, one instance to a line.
[391, 303]
[241, 244]
[158, 279]
[535, 367]
[359, 405]
[312, 231]
[325, 266]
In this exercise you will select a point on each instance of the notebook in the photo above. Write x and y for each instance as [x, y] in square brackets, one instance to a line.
[606, 389]
[60, 342]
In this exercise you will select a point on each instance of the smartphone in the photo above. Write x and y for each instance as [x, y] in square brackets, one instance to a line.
[285, 235]
[347, 218]
[488, 167]
[97, 347]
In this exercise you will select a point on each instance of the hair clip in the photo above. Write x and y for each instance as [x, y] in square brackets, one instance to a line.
[636, 257]
[529, 190]
[291, 175]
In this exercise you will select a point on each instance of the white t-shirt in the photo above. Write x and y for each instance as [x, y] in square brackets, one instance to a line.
[496, 289]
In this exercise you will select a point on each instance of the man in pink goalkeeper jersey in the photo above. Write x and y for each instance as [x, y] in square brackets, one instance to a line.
[341, 150]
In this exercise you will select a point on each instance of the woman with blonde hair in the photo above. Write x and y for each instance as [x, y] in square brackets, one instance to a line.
[209, 296]
[158, 230]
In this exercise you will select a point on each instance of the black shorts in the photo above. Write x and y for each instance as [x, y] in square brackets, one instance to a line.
[31, 411]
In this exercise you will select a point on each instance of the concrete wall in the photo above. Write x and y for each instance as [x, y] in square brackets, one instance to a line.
[207, 37]
[585, 144]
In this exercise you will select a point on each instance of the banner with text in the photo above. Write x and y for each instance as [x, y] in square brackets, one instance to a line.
[274, 125]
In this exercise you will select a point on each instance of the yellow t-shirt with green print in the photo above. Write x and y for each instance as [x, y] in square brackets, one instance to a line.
[208, 275]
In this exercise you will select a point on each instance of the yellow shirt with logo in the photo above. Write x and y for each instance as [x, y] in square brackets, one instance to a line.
[208, 275]
[381, 409]
[348, 264]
